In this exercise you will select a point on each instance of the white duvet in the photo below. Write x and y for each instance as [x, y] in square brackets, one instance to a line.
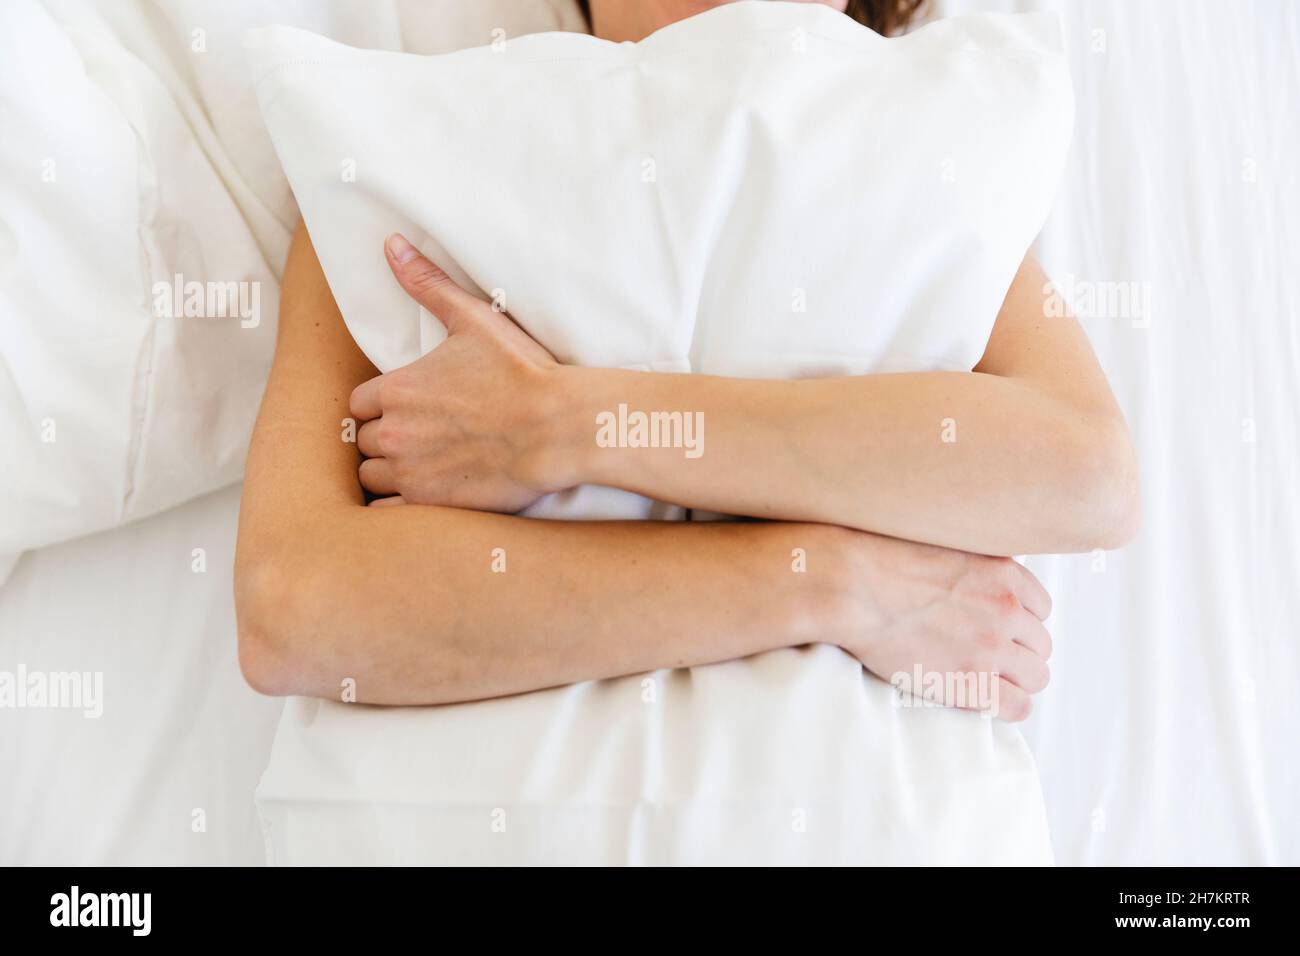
[766, 190]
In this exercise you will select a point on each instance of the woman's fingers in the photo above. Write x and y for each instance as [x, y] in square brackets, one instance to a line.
[1001, 699]
[1013, 704]
[388, 502]
[364, 403]
[1024, 668]
[428, 285]
[368, 439]
[377, 476]
[1029, 631]
[1033, 596]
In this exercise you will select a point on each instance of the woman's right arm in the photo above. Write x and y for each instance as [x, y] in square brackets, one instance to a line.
[406, 602]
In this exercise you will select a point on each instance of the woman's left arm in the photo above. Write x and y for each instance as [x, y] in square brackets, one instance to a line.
[1028, 453]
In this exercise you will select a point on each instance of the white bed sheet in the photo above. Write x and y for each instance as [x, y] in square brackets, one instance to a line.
[180, 730]
[1171, 733]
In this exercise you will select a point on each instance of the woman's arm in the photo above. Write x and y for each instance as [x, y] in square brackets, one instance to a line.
[405, 601]
[1027, 454]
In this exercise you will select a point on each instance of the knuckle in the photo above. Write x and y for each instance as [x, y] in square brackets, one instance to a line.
[1013, 574]
[395, 390]
[1000, 566]
[429, 279]
[389, 437]
[397, 478]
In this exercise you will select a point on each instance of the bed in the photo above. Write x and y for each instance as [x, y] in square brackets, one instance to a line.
[1168, 735]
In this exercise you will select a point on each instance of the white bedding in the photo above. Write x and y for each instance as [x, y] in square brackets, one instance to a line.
[165, 775]
[144, 220]
[1169, 732]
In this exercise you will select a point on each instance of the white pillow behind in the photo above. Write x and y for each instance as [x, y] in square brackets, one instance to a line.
[133, 151]
[766, 189]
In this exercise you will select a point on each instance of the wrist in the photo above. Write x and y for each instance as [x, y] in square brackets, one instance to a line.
[835, 597]
[571, 423]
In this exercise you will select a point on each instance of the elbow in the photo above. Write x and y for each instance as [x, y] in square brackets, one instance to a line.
[1106, 488]
[268, 627]
[300, 626]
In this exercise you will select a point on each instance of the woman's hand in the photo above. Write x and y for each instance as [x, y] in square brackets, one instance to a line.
[472, 424]
[954, 628]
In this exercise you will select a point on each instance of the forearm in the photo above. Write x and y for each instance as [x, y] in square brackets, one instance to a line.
[965, 460]
[425, 605]
[1028, 453]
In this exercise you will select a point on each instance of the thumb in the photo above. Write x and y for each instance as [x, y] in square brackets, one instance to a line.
[429, 285]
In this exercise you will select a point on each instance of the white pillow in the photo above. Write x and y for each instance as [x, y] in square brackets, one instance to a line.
[766, 189]
[133, 151]
[112, 180]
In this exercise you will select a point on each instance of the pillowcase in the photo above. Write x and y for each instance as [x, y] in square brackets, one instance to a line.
[133, 152]
[765, 189]
[761, 190]
[118, 208]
